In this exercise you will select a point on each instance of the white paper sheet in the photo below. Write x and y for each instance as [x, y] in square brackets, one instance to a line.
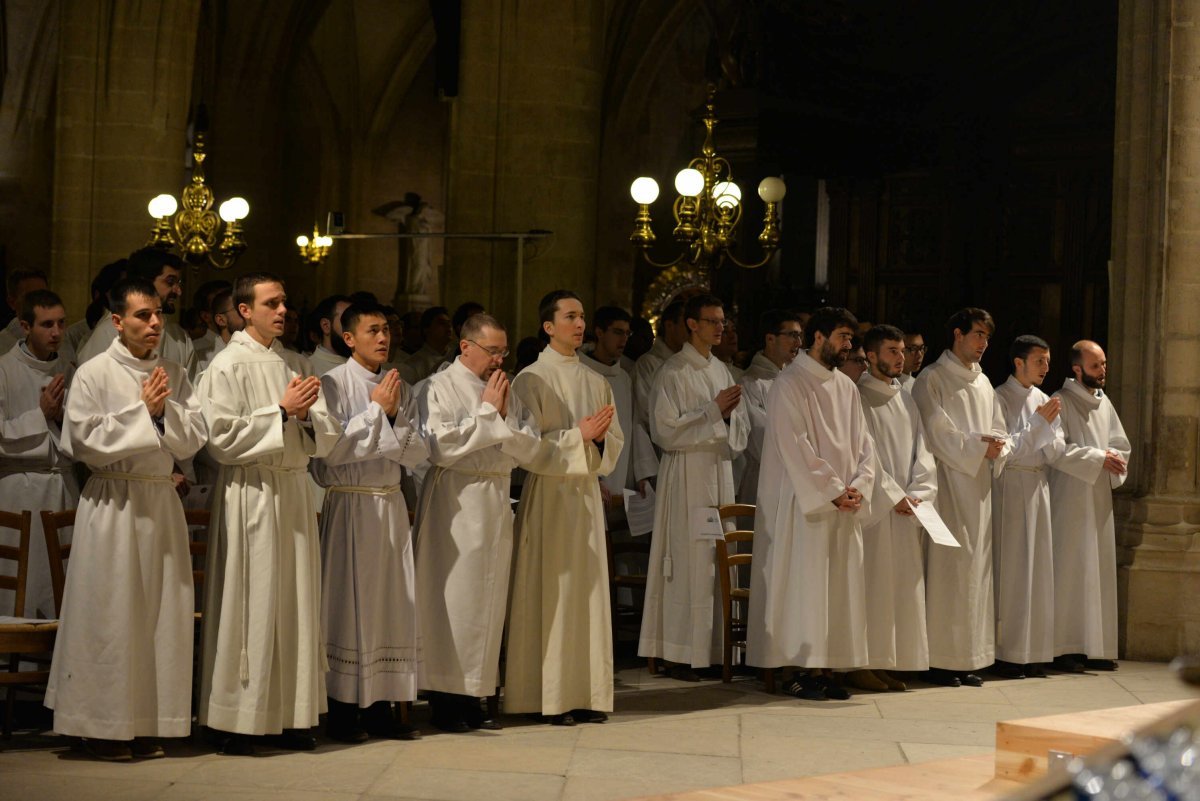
[928, 517]
[705, 523]
[639, 511]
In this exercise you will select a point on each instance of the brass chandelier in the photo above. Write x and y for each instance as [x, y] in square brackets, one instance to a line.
[707, 210]
[197, 232]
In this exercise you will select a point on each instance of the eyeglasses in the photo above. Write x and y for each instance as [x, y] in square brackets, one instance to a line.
[796, 335]
[720, 323]
[495, 354]
[858, 359]
[916, 348]
[229, 311]
[623, 333]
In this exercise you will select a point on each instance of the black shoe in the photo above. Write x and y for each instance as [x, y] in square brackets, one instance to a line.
[1100, 664]
[565, 719]
[238, 745]
[293, 740]
[450, 725]
[971, 680]
[474, 716]
[379, 721]
[683, 673]
[834, 691]
[1068, 663]
[346, 732]
[805, 690]
[1035, 671]
[1008, 670]
[943, 677]
[589, 716]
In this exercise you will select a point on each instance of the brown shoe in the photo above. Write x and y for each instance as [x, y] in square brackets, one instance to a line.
[108, 750]
[894, 684]
[865, 680]
[146, 748]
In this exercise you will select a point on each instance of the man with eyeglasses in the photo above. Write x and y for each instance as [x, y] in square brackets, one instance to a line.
[226, 320]
[699, 421]
[856, 363]
[914, 356]
[783, 337]
[473, 425]
[965, 427]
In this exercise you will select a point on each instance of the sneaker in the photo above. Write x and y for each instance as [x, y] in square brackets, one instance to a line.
[834, 691]
[108, 750]
[805, 690]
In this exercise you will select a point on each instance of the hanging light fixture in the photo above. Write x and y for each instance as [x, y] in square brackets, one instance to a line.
[314, 250]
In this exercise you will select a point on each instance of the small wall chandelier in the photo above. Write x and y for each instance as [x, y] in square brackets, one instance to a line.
[197, 232]
[314, 250]
[707, 210]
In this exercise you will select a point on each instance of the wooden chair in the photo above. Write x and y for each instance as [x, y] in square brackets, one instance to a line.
[197, 523]
[18, 634]
[732, 591]
[58, 552]
[632, 581]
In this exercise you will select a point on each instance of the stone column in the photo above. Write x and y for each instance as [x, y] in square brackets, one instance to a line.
[524, 147]
[124, 88]
[1154, 352]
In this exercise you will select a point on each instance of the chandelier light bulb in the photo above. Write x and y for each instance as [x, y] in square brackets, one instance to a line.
[727, 194]
[162, 206]
[324, 241]
[772, 189]
[689, 182]
[302, 241]
[234, 209]
[644, 191]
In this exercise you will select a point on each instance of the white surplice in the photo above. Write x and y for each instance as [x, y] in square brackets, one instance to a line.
[893, 547]
[645, 459]
[77, 334]
[264, 667]
[122, 663]
[1085, 551]
[1022, 544]
[958, 406]
[682, 617]
[422, 364]
[465, 529]
[560, 630]
[368, 588]
[323, 360]
[807, 582]
[175, 345]
[756, 382]
[35, 474]
[906, 381]
[622, 477]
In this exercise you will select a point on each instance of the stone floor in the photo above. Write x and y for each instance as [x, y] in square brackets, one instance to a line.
[665, 736]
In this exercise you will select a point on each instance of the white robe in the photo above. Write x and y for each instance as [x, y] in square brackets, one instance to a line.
[368, 587]
[756, 383]
[263, 668]
[122, 664]
[645, 459]
[682, 617]
[1022, 544]
[1085, 551]
[323, 360]
[204, 359]
[893, 544]
[807, 583]
[622, 476]
[77, 334]
[35, 474]
[958, 406]
[906, 382]
[175, 345]
[422, 364]
[465, 530]
[560, 632]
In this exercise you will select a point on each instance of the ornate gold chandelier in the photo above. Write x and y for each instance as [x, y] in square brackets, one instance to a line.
[197, 232]
[707, 210]
[314, 250]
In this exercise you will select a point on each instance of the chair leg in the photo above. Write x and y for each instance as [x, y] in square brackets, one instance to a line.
[9, 708]
[769, 679]
[403, 708]
[493, 704]
[652, 665]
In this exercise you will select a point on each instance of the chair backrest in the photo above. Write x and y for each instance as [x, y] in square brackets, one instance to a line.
[21, 522]
[57, 551]
[728, 561]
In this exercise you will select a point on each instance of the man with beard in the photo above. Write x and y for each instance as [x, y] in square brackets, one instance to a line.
[808, 604]
[210, 341]
[783, 336]
[914, 356]
[165, 271]
[331, 351]
[906, 476]
[697, 418]
[966, 431]
[1022, 543]
[1095, 463]
[226, 322]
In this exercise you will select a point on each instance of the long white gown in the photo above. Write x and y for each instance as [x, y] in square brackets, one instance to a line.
[560, 631]
[1085, 550]
[122, 664]
[1023, 546]
[808, 601]
[893, 544]
[682, 617]
[756, 383]
[368, 585]
[618, 379]
[35, 473]
[465, 530]
[645, 459]
[264, 667]
[958, 406]
[323, 360]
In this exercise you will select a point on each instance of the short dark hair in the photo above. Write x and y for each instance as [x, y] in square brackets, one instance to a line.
[464, 312]
[431, 314]
[219, 299]
[673, 312]
[474, 324]
[38, 299]
[123, 290]
[243, 288]
[548, 305]
[1022, 345]
[324, 309]
[828, 319]
[964, 319]
[148, 263]
[605, 316]
[878, 334]
[770, 320]
[356, 311]
[691, 309]
[363, 297]
[201, 298]
[17, 276]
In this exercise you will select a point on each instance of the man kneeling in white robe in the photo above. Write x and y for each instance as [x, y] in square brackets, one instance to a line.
[808, 595]
[368, 594]
[264, 668]
[472, 423]
[1022, 545]
[122, 668]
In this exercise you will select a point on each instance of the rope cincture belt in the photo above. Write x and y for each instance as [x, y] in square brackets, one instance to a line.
[114, 475]
[1025, 469]
[381, 491]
